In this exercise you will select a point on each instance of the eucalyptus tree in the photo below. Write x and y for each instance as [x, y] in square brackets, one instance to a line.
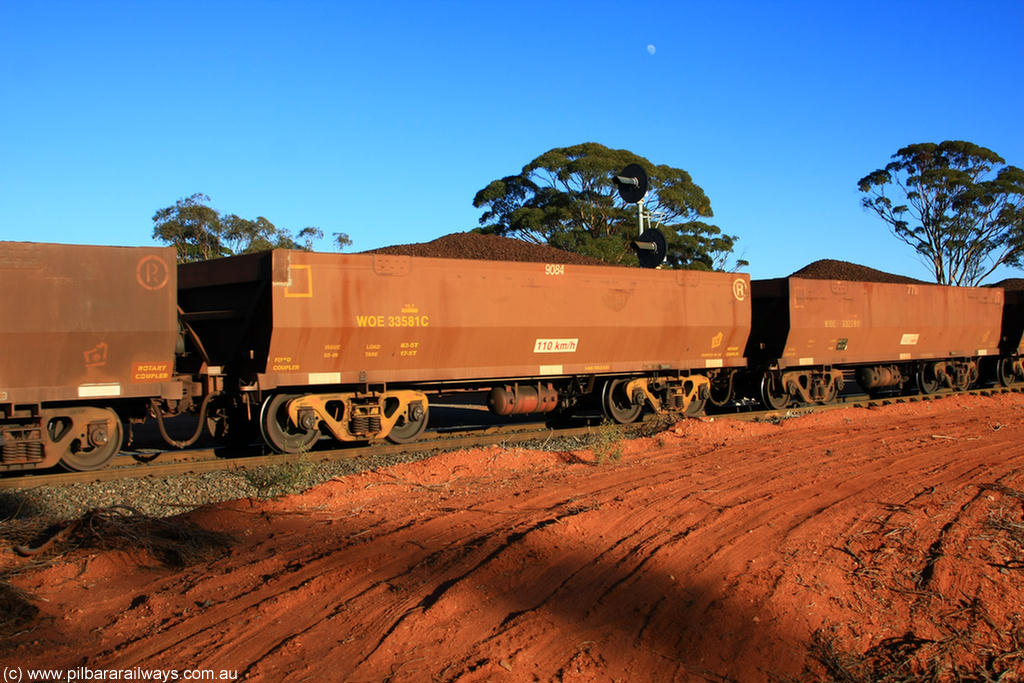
[957, 204]
[199, 232]
[566, 198]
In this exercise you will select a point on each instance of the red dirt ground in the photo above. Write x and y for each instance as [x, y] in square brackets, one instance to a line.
[716, 551]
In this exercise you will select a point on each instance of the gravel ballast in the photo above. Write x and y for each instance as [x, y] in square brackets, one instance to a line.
[171, 495]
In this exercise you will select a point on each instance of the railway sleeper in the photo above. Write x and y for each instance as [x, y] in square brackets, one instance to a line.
[956, 374]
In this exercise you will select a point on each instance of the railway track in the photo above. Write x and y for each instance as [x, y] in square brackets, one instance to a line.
[169, 463]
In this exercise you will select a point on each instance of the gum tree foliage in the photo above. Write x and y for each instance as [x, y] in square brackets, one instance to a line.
[311, 235]
[566, 198]
[956, 203]
[199, 232]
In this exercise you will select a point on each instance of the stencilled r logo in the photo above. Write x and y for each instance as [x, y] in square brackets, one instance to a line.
[151, 273]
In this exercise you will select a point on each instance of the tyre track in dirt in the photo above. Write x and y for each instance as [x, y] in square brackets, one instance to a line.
[711, 552]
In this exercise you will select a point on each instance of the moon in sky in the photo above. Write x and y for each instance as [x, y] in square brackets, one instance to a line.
[651, 49]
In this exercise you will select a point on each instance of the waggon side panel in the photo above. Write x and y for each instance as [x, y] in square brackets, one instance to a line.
[379, 318]
[86, 322]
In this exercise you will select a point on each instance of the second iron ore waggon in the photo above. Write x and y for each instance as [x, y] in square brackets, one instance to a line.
[354, 346]
[809, 335]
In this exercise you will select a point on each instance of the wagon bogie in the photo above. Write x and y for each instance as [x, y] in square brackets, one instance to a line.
[686, 394]
[777, 389]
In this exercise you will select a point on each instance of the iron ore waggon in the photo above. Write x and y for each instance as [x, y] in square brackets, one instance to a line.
[809, 335]
[354, 346]
[88, 336]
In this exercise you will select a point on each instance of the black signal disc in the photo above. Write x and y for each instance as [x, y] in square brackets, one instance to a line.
[651, 257]
[632, 183]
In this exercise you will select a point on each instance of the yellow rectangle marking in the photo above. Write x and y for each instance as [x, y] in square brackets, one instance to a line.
[300, 282]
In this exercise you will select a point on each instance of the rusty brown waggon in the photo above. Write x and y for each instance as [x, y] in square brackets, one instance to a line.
[806, 332]
[86, 331]
[355, 344]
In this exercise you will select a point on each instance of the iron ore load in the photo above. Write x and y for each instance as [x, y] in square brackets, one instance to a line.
[294, 347]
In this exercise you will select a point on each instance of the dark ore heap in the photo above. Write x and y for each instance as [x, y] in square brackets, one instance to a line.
[1014, 283]
[473, 245]
[830, 269]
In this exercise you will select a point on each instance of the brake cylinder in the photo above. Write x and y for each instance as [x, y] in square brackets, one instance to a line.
[522, 400]
[877, 377]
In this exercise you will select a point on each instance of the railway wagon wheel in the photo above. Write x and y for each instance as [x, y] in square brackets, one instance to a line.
[773, 395]
[98, 439]
[410, 425]
[279, 432]
[616, 404]
[1004, 371]
[927, 382]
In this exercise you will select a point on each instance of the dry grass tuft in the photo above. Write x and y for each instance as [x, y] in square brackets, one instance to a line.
[606, 441]
[910, 659]
[16, 610]
[171, 542]
[270, 481]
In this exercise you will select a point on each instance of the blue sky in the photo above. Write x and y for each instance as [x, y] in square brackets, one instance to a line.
[383, 119]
